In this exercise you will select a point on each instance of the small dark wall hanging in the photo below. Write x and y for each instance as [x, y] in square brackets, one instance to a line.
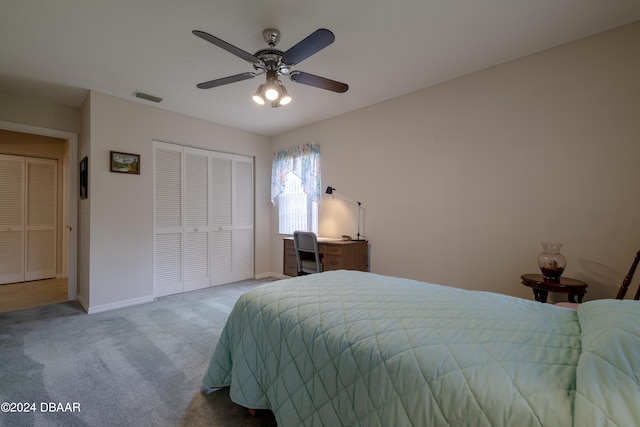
[124, 163]
[84, 178]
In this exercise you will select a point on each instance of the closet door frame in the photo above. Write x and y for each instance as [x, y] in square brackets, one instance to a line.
[69, 171]
[229, 252]
[33, 231]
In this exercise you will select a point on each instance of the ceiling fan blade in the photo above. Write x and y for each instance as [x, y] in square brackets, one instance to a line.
[225, 80]
[227, 46]
[313, 43]
[319, 82]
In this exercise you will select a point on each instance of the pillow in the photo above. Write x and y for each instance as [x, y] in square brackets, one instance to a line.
[608, 373]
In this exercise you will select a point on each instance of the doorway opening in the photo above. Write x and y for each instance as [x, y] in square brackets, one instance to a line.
[66, 270]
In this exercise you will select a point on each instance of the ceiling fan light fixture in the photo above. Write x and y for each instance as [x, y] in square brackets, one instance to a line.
[273, 90]
[258, 97]
[275, 63]
[271, 93]
[284, 96]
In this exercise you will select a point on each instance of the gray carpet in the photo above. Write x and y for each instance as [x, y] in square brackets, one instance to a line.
[136, 366]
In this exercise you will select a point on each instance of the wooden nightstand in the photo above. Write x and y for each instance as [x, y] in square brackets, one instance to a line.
[541, 287]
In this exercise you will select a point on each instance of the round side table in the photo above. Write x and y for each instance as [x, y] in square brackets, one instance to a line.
[541, 287]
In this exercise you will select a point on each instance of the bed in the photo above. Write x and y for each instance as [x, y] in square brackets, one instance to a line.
[348, 348]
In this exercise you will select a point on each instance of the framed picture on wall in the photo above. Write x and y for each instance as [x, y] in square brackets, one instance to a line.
[84, 178]
[125, 163]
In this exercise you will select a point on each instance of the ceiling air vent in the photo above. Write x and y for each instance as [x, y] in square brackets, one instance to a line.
[146, 96]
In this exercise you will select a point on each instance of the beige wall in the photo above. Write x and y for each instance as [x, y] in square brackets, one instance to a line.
[114, 242]
[84, 223]
[461, 181]
[119, 210]
[32, 112]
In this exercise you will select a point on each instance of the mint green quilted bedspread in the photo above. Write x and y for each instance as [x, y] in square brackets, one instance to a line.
[608, 375]
[359, 349]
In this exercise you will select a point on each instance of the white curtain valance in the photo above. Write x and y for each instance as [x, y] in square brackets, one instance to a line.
[304, 162]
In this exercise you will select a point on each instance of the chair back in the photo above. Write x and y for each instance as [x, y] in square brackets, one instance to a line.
[307, 252]
[627, 280]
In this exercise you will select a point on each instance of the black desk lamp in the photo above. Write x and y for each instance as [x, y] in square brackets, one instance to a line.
[330, 190]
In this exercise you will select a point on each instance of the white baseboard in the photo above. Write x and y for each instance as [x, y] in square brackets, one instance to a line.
[116, 305]
[144, 300]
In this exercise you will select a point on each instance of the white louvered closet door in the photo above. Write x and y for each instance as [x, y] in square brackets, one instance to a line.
[167, 219]
[40, 219]
[28, 197]
[231, 218]
[243, 219]
[221, 218]
[196, 214]
[12, 194]
[203, 218]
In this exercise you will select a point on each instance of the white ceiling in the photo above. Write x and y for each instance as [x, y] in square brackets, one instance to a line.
[59, 49]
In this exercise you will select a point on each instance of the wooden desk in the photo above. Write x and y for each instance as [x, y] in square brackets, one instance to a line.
[541, 287]
[334, 255]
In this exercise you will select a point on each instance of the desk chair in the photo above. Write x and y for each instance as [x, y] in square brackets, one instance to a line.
[307, 253]
[623, 289]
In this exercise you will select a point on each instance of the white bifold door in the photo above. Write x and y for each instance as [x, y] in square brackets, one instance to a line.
[28, 206]
[203, 218]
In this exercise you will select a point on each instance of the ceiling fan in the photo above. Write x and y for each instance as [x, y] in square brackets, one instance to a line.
[276, 63]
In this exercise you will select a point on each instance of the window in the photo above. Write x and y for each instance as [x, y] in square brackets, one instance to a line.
[296, 210]
[295, 188]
